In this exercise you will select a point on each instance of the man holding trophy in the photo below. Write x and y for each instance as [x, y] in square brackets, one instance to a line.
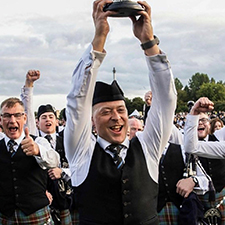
[116, 180]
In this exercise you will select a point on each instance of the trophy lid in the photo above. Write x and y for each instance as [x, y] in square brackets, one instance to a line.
[124, 8]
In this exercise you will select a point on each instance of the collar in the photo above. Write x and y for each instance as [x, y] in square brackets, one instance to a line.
[206, 139]
[53, 135]
[104, 144]
[18, 141]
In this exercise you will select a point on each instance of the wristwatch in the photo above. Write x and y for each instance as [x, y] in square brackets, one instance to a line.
[195, 180]
[150, 44]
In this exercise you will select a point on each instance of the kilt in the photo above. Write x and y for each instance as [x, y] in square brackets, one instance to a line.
[40, 217]
[65, 217]
[74, 216]
[219, 196]
[169, 214]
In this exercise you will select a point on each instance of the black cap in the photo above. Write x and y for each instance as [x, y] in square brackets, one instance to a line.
[45, 108]
[105, 93]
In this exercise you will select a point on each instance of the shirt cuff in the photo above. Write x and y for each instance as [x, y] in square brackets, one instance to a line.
[90, 55]
[158, 62]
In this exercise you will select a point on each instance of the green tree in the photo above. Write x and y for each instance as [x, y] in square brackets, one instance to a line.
[195, 82]
[178, 84]
[214, 91]
[135, 103]
[128, 104]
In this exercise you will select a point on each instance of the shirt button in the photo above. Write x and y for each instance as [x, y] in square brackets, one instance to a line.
[126, 216]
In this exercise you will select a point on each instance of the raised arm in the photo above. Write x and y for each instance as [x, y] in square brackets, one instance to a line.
[191, 143]
[142, 28]
[27, 99]
[159, 121]
[78, 139]
[190, 130]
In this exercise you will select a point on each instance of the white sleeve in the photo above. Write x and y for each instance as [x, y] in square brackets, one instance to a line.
[160, 117]
[27, 99]
[48, 158]
[176, 136]
[78, 139]
[210, 149]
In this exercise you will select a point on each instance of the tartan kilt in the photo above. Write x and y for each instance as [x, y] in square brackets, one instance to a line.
[40, 217]
[219, 196]
[74, 216]
[169, 214]
[65, 217]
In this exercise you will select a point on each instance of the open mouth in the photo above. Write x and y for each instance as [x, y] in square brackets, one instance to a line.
[201, 129]
[116, 128]
[48, 125]
[13, 129]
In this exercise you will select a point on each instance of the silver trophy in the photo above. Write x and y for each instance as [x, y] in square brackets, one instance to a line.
[124, 8]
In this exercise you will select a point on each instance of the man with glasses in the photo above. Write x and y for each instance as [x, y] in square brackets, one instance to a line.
[215, 168]
[24, 161]
[213, 150]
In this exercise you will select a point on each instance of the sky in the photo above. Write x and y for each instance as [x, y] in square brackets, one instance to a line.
[51, 36]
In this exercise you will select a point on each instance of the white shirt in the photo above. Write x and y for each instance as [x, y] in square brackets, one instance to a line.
[48, 158]
[78, 138]
[208, 149]
[203, 182]
[53, 141]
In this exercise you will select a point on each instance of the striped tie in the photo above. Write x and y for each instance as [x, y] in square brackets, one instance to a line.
[11, 144]
[115, 149]
[49, 138]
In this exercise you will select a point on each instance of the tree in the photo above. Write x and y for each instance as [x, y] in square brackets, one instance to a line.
[178, 84]
[135, 103]
[214, 91]
[128, 104]
[195, 82]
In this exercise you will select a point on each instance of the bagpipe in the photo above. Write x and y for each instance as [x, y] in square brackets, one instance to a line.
[192, 211]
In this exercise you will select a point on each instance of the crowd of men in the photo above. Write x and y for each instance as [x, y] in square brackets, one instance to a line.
[104, 167]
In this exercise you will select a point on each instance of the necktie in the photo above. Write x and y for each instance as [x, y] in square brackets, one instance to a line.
[49, 138]
[115, 149]
[11, 144]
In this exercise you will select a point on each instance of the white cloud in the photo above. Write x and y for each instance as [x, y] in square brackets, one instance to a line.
[52, 35]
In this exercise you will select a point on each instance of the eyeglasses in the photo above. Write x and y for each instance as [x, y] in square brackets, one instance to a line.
[7, 116]
[203, 120]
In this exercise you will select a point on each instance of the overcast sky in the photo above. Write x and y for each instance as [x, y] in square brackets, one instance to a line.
[51, 35]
